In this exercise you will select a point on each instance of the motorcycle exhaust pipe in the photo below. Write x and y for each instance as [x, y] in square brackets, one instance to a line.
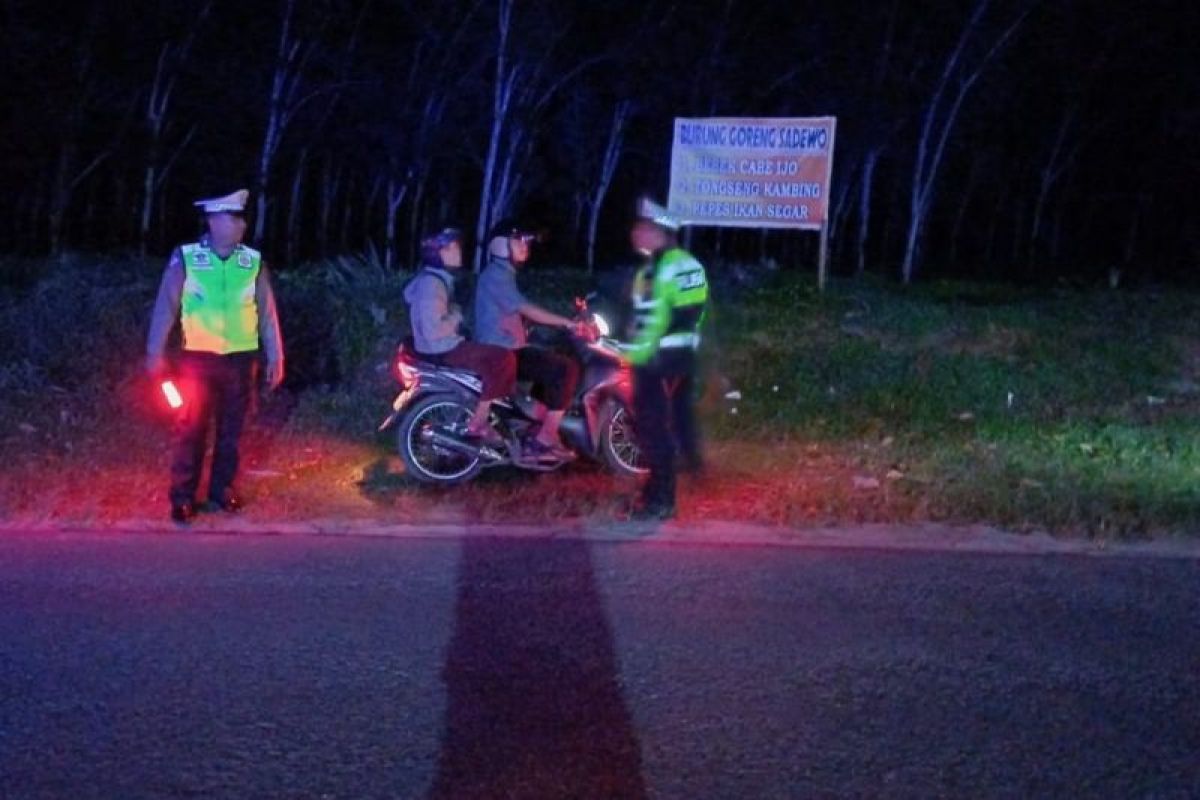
[462, 448]
[450, 443]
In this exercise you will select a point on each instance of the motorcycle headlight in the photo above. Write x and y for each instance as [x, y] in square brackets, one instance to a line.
[601, 324]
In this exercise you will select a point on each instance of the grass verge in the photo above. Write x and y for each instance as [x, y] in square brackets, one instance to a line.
[1069, 410]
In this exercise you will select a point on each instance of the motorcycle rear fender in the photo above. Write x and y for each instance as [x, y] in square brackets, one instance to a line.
[402, 401]
[430, 383]
[452, 382]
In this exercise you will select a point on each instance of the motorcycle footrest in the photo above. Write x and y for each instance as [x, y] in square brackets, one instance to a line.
[490, 455]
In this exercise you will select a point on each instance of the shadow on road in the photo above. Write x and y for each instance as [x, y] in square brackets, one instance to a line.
[534, 708]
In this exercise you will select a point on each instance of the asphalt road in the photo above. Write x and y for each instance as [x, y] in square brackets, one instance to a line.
[294, 666]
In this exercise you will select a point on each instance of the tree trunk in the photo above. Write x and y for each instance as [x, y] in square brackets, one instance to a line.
[502, 95]
[864, 208]
[283, 86]
[330, 181]
[612, 156]
[508, 146]
[1056, 224]
[837, 211]
[1131, 237]
[418, 207]
[295, 201]
[59, 196]
[579, 209]
[935, 131]
[157, 111]
[1058, 161]
[396, 191]
[149, 178]
[347, 206]
[378, 187]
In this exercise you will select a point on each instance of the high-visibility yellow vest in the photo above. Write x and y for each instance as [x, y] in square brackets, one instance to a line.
[219, 308]
[669, 299]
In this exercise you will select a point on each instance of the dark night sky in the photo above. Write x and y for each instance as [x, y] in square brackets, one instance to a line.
[1086, 115]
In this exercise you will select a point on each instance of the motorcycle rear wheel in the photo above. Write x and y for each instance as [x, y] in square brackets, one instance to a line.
[426, 461]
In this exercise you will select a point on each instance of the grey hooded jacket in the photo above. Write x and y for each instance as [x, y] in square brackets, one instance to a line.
[435, 319]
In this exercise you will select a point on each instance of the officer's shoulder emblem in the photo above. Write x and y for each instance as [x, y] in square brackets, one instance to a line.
[247, 256]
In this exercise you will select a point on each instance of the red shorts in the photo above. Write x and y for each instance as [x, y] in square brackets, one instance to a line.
[495, 366]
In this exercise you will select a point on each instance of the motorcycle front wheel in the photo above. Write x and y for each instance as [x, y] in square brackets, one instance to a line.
[423, 458]
[618, 442]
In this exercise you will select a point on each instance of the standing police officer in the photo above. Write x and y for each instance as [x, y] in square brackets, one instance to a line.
[669, 297]
[219, 291]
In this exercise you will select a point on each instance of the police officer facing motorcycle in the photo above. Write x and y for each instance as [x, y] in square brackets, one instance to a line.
[501, 311]
[219, 291]
[670, 294]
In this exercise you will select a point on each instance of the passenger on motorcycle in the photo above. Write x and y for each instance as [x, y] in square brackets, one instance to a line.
[435, 322]
[501, 312]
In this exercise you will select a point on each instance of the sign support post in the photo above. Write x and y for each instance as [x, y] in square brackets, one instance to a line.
[824, 252]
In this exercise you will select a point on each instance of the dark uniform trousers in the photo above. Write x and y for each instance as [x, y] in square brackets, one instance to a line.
[662, 400]
[214, 387]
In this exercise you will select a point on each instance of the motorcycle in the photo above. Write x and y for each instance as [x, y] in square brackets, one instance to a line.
[435, 403]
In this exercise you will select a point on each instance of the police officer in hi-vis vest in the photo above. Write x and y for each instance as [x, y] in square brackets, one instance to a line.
[219, 292]
[670, 294]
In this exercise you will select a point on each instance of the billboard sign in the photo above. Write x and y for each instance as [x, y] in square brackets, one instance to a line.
[752, 173]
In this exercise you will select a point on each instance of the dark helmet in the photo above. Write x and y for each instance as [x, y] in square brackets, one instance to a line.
[504, 232]
[432, 245]
[509, 229]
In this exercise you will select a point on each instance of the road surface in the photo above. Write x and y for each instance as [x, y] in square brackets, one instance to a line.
[208, 665]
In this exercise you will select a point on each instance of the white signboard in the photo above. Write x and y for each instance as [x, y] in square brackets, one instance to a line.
[752, 173]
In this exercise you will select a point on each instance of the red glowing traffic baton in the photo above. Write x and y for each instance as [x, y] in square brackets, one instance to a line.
[174, 399]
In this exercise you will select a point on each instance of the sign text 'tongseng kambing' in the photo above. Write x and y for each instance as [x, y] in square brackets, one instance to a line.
[752, 173]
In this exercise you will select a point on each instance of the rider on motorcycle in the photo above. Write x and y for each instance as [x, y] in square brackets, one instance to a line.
[501, 312]
[435, 322]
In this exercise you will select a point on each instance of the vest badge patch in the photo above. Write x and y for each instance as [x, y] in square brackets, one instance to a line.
[245, 261]
[200, 260]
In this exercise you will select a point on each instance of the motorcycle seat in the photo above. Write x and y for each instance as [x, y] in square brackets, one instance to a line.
[427, 362]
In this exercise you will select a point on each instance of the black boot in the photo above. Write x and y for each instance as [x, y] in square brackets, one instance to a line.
[182, 513]
[228, 501]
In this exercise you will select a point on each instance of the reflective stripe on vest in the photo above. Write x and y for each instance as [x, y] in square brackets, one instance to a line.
[691, 340]
[219, 307]
[669, 298]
